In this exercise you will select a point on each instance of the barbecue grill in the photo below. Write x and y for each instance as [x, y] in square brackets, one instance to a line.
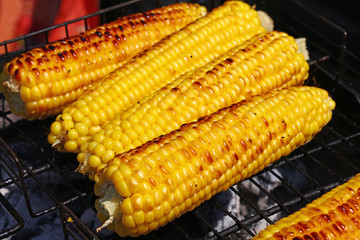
[42, 198]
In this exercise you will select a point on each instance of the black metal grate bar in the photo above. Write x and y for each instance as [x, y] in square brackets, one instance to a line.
[14, 214]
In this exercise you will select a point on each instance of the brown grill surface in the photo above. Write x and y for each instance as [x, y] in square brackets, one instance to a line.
[41, 197]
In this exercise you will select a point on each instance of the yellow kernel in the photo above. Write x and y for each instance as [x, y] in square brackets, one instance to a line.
[109, 171]
[159, 212]
[72, 134]
[137, 202]
[167, 207]
[107, 156]
[153, 225]
[131, 133]
[81, 140]
[142, 229]
[126, 207]
[77, 115]
[125, 140]
[65, 116]
[94, 129]
[149, 216]
[70, 146]
[55, 128]
[99, 150]
[94, 161]
[125, 170]
[98, 137]
[81, 157]
[125, 124]
[117, 147]
[116, 134]
[128, 221]
[122, 188]
[91, 147]
[67, 125]
[108, 143]
[94, 118]
[81, 129]
[139, 217]
[52, 138]
[144, 187]
[116, 176]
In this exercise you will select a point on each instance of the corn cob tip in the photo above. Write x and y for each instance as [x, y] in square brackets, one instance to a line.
[108, 206]
[301, 43]
[11, 88]
[265, 20]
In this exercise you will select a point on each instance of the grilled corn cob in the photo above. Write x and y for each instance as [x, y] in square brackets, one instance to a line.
[149, 186]
[333, 216]
[42, 81]
[267, 61]
[193, 46]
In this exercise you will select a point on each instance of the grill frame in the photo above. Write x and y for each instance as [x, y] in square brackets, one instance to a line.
[333, 67]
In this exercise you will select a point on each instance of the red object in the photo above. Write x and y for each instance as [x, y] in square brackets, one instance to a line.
[19, 17]
[70, 9]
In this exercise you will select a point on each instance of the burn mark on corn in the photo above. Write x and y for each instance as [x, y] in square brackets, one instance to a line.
[71, 43]
[208, 157]
[107, 34]
[97, 46]
[61, 56]
[19, 63]
[36, 72]
[325, 217]
[132, 25]
[307, 237]
[17, 74]
[229, 61]
[121, 28]
[51, 47]
[143, 22]
[73, 53]
[175, 90]
[83, 39]
[315, 236]
[152, 181]
[98, 33]
[29, 61]
[10, 67]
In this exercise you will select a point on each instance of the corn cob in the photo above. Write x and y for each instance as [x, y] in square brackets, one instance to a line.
[193, 46]
[333, 216]
[267, 61]
[149, 186]
[42, 81]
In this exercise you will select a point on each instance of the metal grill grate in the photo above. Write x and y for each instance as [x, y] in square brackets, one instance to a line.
[39, 185]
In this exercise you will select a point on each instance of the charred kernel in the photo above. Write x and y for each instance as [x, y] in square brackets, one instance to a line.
[71, 43]
[98, 33]
[51, 47]
[61, 56]
[83, 39]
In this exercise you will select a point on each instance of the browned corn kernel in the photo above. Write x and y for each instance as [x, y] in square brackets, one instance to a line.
[192, 47]
[265, 62]
[42, 81]
[176, 172]
[333, 216]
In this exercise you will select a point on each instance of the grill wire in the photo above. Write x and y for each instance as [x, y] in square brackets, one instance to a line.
[38, 185]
